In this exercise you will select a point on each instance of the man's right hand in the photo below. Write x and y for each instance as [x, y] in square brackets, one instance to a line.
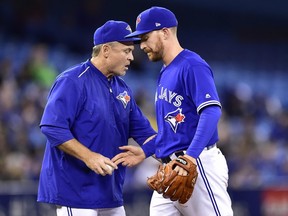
[95, 161]
[100, 164]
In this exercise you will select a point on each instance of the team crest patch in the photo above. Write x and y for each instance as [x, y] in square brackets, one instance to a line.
[124, 98]
[175, 118]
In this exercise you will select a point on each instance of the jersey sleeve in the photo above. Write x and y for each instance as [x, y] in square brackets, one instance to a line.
[62, 107]
[202, 90]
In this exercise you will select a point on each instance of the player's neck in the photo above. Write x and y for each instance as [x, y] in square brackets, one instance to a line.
[99, 63]
[171, 52]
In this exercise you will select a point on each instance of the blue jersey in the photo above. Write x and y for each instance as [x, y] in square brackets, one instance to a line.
[100, 114]
[185, 87]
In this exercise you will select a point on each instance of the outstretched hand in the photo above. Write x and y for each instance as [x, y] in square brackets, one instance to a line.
[131, 156]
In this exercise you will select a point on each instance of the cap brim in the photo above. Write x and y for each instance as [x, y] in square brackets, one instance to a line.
[131, 39]
[137, 33]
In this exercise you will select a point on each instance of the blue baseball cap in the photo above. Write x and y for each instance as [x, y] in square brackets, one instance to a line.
[113, 31]
[154, 18]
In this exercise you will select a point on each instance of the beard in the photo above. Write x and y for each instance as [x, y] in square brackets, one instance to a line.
[155, 54]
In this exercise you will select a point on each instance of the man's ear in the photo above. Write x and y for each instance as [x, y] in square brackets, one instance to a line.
[106, 50]
[166, 32]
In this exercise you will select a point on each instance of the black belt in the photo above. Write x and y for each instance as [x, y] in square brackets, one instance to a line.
[178, 153]
[211, 146]
[168, 158]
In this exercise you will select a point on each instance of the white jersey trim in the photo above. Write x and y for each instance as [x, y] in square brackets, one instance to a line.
[83, 72]
[208, 103]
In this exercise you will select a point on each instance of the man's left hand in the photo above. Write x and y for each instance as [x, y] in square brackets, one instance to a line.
[131, 156]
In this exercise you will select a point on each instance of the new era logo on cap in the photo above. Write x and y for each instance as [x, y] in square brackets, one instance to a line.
[154, 18]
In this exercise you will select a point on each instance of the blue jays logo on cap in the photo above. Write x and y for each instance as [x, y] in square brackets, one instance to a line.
[128, 28]
[138, 20]
[113, 31]
[152, 19]
[175, 118]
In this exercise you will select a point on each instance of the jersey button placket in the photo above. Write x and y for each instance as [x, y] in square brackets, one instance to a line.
[111, 105]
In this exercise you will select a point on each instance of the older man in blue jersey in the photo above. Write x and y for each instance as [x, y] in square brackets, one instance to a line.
[90, 113]
[187, 111]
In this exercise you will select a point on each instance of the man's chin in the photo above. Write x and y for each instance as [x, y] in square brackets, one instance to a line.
[123, 73]
[120, 73]
[150, 56]
[153, 57]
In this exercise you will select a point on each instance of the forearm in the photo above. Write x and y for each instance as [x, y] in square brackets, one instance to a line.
[63, 139]
[75, 149]
[95, 161]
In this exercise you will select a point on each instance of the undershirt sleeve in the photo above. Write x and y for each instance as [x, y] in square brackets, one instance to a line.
[207, 126]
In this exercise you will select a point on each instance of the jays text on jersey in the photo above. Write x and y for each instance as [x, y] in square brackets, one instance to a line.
[185, 87]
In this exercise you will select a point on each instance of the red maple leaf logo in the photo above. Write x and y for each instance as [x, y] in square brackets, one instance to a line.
[127, 98]
[179, 117]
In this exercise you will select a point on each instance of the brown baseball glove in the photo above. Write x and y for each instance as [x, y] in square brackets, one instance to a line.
[167, 182]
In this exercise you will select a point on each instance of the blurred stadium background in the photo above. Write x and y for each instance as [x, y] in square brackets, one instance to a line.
[246, 44]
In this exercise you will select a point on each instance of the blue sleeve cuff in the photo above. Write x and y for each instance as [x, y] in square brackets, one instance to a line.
[149, 147]
[56, 135]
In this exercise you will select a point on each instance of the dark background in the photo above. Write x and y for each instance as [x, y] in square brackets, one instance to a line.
[221, 30]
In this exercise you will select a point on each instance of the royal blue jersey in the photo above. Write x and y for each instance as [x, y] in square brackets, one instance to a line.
[185, 87]
[100, 114]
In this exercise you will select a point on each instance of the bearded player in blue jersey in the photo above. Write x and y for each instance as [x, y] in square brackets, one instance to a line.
[90, 113]
[187, 110]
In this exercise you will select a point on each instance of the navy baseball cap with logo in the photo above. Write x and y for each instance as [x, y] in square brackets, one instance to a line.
[113, 31]
[154, 18]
